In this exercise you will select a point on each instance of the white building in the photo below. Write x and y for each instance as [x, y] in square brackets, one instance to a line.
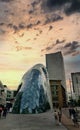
[76, 84]
[8, 93]
[55, 67]
[2, 95]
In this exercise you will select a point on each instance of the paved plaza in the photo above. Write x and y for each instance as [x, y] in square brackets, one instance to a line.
[44, 121]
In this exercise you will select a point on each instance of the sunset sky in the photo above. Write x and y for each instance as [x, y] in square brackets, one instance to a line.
[29, 29]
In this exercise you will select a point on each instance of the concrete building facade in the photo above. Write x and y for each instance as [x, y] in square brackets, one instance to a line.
[58, 93]
[2, 95]
[76, 84]
[56, 71]
[55, 67]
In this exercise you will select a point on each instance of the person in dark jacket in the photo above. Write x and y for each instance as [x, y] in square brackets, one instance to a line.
[70, 112]
[4, 112]
[74, 118]
[0, 111]
[60, 115]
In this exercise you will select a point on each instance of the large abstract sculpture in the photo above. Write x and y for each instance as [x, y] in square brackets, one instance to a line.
[34, 94]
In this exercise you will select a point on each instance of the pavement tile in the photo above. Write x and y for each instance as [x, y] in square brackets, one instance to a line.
[44, 121]
[67, 122]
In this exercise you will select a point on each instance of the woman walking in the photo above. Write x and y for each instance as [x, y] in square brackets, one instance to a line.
[60, 115]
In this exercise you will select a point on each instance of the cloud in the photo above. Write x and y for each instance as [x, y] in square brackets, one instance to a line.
[21, 26]
[53, 45]
[17, 28]
[31, 11]
[50, 27]
[34, 4]
[51, 3]
[71, 48]
[69, 6]
[19, 48]
[52, 18]
[21, 35]
[76, 53]
[2, 31]
[72, 64]
[38, 22]
[14, 27]
[58, 41]
[6, 1]
[74, 7]
[28, 19]
[31, 25]
[1, 24]
[47, 48]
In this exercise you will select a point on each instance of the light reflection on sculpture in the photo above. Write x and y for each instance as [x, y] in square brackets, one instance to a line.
[34, 94]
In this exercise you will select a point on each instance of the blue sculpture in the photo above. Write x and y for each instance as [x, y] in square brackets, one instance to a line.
[34, 94]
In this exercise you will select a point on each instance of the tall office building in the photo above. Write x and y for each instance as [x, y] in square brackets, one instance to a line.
[76, 84]
[55, 68]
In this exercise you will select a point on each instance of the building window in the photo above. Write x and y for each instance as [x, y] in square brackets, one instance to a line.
[54, 89]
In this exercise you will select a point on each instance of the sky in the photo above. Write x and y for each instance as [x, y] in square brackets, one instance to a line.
[29, 29]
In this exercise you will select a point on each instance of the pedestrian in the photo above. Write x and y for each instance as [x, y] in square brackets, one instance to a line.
[60, 115]
[56, 117]
[74, 118]
[70, 112]
[4, 112]
[0, 111]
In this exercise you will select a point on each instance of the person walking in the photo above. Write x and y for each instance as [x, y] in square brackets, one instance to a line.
[60, 115]
[56, 117]
[70, 112]
[4, 112]
[74, 118]
[0, 111]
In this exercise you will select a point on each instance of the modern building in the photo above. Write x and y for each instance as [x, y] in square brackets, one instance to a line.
[76, 84]
[8, 92]
[2, 95]
[34, 93]
[58, 93]
[55, 68]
